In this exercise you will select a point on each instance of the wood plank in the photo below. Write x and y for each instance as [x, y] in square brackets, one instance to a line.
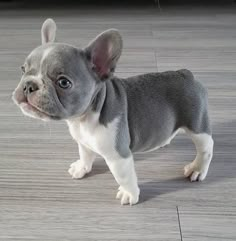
[208, 223]
[38, 199]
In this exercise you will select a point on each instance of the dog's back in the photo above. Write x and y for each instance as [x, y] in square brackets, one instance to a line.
[161, 103]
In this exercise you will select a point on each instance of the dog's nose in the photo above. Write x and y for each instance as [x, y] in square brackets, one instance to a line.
[30, 87]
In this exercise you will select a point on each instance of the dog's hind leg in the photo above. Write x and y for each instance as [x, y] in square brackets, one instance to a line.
[197, 169]
[198, 127]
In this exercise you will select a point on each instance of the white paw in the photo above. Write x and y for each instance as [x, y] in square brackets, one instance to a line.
[127, 197]
[195, 172]
[78, 169]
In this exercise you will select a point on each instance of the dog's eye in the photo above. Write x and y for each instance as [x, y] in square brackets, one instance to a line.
[64, 83]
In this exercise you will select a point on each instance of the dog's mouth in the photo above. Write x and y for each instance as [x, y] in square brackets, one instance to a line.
[30, 109]
[35, 112]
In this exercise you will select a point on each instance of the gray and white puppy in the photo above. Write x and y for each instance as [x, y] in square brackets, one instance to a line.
[110, 116]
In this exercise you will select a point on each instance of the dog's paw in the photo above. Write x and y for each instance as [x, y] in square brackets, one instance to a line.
[127, 197]
[195, 172]
[78, 169]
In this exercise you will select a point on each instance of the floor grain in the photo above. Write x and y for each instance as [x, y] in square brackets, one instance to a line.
[38, 199]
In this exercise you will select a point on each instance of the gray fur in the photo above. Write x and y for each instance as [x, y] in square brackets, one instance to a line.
[150, 107]
[160, 103]
[153, 106]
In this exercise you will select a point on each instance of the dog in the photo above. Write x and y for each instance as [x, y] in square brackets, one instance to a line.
[110, 116]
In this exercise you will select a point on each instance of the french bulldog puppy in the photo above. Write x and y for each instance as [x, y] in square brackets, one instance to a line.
[110, 116]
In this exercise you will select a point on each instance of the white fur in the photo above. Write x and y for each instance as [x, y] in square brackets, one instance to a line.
[125, 175]
[39, 74]
[45, 54]
[197, 169]
[83, 166]
[93, 137]
[96, 137]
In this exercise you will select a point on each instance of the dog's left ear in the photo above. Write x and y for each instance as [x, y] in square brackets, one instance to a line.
[48, 31]
[104, 52]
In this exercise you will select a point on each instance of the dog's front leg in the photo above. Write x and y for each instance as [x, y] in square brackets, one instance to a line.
[83, 166]
[125, 175]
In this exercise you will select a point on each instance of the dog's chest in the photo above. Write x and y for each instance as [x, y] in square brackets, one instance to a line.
[91, 134]
[84, 134]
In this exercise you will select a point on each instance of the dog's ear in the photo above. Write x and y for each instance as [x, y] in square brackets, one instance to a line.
[48, 31]
[103, 52]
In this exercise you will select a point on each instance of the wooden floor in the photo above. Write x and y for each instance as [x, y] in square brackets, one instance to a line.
[38, 198]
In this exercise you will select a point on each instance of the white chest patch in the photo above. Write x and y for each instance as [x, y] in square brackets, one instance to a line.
[90, 133]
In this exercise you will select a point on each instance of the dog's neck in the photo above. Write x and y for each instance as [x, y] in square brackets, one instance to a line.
[95, 105]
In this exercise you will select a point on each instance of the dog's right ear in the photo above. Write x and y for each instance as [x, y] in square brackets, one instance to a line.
[48, 31]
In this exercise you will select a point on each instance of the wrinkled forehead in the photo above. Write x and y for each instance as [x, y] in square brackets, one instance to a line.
[53, 58]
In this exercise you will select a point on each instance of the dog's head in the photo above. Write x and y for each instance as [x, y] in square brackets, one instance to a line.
[59, 81]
